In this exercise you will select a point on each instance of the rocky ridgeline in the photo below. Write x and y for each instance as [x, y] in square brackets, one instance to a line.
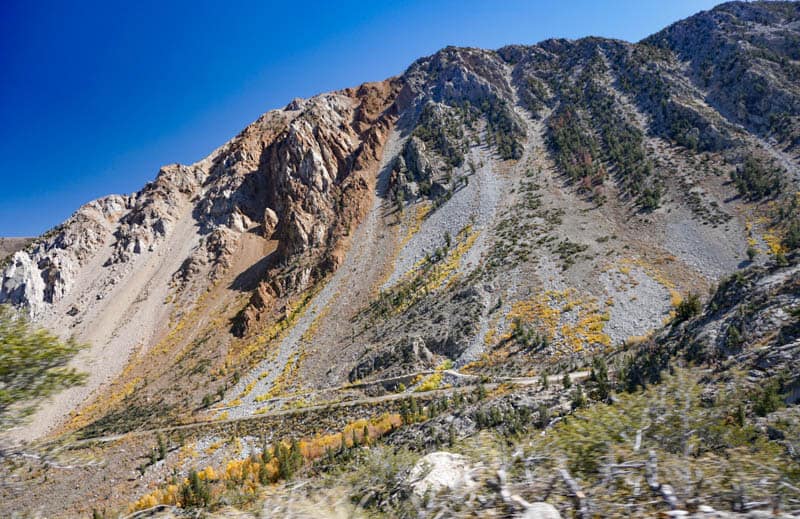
[287, 177]
[750, 324]
[42, 273]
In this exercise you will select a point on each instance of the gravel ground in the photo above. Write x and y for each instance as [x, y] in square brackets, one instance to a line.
[122, 308]
[712, 252]
[640, 303]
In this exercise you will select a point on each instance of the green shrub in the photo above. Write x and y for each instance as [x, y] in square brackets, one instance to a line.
[755, 181]
[768, 399]
[792, 239]
[162, 447]
[503, 129]
[650, 199]
[644, 367]
[443, 132]
[689, 307]
[578, 398]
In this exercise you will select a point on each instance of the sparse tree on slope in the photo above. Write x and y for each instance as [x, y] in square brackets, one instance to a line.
[33, 365]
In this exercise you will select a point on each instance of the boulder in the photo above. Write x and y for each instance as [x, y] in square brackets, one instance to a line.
[270, 222]
[440, 471]
[414, 155]
[541, 510]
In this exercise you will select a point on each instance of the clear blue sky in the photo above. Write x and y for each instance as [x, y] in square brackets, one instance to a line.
[95, 96]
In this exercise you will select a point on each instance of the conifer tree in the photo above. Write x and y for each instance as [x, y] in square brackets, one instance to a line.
[295, 458]
[33, 365]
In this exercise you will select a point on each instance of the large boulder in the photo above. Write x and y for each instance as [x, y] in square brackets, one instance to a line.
[541, 510]
[440, 471]
[270, 222]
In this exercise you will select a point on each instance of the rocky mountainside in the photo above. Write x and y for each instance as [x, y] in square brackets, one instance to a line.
[488, 216]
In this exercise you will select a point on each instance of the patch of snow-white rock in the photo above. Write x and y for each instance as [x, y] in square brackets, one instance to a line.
[440, 471]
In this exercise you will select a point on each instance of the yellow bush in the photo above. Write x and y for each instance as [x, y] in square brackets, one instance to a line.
[774, 242]
[430, 383]
[675, 297]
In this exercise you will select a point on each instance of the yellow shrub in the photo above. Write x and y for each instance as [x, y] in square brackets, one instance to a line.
[429, 384]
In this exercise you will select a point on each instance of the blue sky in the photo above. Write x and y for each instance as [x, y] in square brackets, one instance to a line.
[95, 96]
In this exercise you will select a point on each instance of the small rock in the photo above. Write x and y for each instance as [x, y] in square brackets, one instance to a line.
[775, 434]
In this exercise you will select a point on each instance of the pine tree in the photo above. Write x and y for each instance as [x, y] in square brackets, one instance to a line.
[413, 409]
[578, 398]
[543, 416]
[263, 472]
[404, 412]
[741, 415]
[481, 391]
[600, 377]
[282, 456]
[33, 365]
[295, 458]
[769, 398]
[266, 456]
[195, 493]
[162, 447]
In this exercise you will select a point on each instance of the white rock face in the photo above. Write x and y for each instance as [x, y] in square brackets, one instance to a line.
[44, 274]
[440, 471]
[276, 176]
[22, 283]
